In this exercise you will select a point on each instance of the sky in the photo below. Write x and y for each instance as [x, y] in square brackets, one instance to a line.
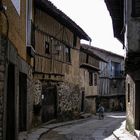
[93, 17]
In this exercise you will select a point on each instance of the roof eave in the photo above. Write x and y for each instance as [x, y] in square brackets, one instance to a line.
[51, 10]
[115, 8]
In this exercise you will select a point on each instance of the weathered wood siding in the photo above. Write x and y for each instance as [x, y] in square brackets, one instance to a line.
[52, 27]
[107, 87]
[84, 57]
[66, 61]
[104, 86]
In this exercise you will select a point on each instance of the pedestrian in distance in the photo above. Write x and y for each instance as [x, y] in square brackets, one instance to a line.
[101, 112]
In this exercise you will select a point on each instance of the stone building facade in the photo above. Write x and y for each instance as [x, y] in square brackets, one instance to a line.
[15, 71]
[56, 66]
[39, 66]
[126, 29]
[132, 25]
[89, 78]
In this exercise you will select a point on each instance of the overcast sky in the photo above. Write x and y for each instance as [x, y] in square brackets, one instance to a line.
[93, 17]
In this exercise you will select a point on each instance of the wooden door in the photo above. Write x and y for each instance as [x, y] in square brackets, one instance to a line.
[49, 101]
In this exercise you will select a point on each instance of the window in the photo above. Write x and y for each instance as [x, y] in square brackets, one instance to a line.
[74, 40]
[135, 8]
[95, 79]
[128, 92]
[32, 34]
[115, 69]
[87, 57]
[67, 54]
[47, 48]
[90, 78]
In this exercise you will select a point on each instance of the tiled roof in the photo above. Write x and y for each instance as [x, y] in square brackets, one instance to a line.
[89, 50]
[92, 48]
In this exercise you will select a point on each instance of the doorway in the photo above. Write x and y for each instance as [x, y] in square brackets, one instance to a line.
[22, 101]
[49, 103]
[82, 101]
[10, 105]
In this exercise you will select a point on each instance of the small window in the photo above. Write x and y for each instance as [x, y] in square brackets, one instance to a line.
[67, 54]
[115, 69]
[47, 48]
[90, 78]
[95, 79]
[87, 57]
[128, 92]
[32, 34]
[74, 40]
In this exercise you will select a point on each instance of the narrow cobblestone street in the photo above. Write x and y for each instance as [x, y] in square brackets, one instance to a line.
[92, 129]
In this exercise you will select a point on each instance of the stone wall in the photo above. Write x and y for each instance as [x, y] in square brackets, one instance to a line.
[37, 89]
[90, 105]
[36, 100]
[69, 101]
[130, 105]
[8, 54]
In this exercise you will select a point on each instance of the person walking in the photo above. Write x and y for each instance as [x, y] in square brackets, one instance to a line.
[101, 112]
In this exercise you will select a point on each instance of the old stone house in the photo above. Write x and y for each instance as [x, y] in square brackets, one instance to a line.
[89, 78]
[39, 65]
[126, 28]
[111, 80]
[57, 92]
[15, 70]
